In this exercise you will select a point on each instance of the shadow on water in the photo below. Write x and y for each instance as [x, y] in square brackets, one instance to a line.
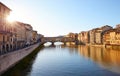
[23, 67]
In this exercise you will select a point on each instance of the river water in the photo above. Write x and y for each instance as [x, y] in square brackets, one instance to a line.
[69, 60]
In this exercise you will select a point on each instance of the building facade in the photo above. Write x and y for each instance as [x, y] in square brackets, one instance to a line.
[74, 36]
[5, 29]
[83, 37]
[34, 36]
[39, 37]
[96, 35]
[99, 33]
[29, 31]
[92, 36]
[112, 37]
[20, 34]
[14, 35]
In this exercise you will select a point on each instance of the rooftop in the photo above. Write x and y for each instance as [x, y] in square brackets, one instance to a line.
[5, 6]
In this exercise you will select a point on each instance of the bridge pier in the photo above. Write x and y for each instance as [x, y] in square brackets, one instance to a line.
[76, 42]
[64, 43]
[52, 43]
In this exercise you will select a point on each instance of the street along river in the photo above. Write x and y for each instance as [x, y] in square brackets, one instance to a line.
[69, 60]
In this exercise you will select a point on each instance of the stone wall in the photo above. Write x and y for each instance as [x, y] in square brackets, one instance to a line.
[10, 59]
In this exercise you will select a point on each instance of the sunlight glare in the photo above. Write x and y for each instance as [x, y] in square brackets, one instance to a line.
[11, 18]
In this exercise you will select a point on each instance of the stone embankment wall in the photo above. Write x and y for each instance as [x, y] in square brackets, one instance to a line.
[10, 59]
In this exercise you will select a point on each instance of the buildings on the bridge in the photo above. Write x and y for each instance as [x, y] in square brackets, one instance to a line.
[72, 35]
[15, 35]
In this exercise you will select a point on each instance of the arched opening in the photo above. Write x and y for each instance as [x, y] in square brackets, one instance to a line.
[47, 44]
[18, 45]
[14, 47]
[7, 48]
[0, 49]
[58, 43]
[53, 43]
[11, 47]
[3, 49]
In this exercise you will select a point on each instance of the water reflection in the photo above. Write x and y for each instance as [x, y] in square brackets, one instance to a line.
[69, 60]
[107, 58]
[47, 44]
[58, 43]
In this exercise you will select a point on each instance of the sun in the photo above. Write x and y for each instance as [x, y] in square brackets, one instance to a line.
[11, 17]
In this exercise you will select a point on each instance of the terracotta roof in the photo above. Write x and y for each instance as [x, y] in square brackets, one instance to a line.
[113, 30]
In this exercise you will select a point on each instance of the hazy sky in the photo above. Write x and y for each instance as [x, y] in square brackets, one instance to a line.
[59, 17]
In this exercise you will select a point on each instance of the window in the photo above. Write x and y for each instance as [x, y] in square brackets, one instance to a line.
[0, 9]
[7, 38]
[3, 38]
[4, 10]
[11, 40]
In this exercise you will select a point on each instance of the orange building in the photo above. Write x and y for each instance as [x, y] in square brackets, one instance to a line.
[96, 35]
[73, 36]
[84, 37]
[112, 37]
[99, 33]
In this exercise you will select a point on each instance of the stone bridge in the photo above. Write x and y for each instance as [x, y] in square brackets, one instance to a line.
[58, 39]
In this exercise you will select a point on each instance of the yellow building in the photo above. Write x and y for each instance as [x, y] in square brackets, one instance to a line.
[99, 33]
[92, 36]
[83, 37]
[112, 37]
[73, 35]
[96, 35]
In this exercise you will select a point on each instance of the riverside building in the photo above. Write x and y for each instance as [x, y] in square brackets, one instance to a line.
[5, 29]
[14, 35]
[83, 37]
[112, 37]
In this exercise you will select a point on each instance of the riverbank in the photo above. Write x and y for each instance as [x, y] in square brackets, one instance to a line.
[10, 59]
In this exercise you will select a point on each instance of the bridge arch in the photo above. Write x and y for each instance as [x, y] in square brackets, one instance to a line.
[53, 43]
[47, 43]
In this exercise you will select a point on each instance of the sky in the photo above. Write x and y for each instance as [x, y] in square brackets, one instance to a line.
[59, 17]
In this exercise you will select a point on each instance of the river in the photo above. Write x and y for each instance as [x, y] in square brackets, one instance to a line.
[69, 60]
